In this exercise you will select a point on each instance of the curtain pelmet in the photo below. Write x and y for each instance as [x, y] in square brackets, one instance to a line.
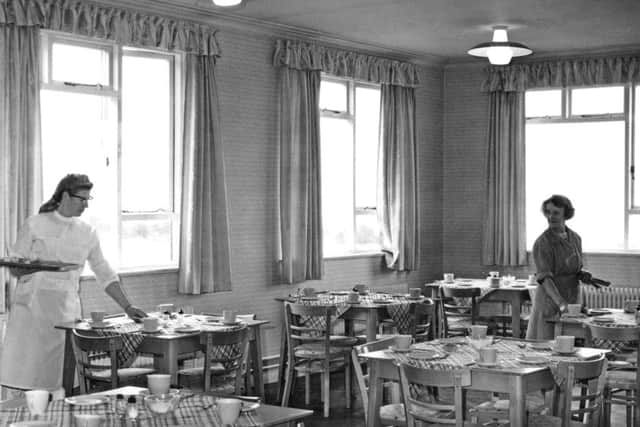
[301, 55]
[123, 26]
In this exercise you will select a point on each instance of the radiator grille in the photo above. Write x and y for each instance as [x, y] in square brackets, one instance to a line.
[609, 297]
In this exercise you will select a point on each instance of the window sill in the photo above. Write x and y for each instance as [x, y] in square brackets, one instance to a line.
[133, 272]
[354, 255]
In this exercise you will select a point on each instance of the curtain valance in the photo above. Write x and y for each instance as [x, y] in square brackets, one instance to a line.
[110, 23]
[309, 56]
[569, 72]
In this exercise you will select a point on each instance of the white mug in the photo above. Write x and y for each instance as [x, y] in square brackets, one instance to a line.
[415, 292]
[564, 343]
[150, 324]
[574, 309]
[488, 355]
[228, 316]
[478, 331]
[37, 401]
[448, 277]
[403, 342]
[158, 383]
[229, 410]
[97, 316]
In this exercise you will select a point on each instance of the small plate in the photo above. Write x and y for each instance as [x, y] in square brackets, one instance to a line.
[249, 406]
[426, 355]
[87, 400]
[339, 292]
[381, 301]
[309, 298]
[464, 280]
[234, 323]
[598, 311]
[486, 364]
[100, 325]
[532, 360]
[563, 353]
[399, 350]
[540, 346]
[464, 285]
[186, 329]
[602, 320]
[33, 423]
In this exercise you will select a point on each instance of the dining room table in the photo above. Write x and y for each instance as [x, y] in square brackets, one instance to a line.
[371, 307]
[522, 366]
[175, 338]
[194, 409]
[514, 293]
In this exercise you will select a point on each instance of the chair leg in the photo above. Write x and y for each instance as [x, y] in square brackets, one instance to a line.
[326, 375]
[288, 384]
[307, 387]
[629, 408]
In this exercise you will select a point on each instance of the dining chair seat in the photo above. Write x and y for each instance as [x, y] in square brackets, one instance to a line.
[123, 373]
[621, 379]
[316, 350]
[343, 340]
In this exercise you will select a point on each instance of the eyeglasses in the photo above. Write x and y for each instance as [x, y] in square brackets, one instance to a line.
[84, 199]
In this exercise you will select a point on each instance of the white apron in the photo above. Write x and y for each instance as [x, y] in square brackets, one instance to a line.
[33, 350]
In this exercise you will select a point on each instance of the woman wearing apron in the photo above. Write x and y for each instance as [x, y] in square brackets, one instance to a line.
[33, 350]
[557, 254]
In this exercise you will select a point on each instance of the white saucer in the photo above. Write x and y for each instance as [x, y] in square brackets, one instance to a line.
[87, 400]
[486, 364]
[563, 353]
[99, 325]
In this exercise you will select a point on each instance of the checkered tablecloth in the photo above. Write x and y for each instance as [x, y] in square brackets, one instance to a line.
[197, 410]
[133, 335]
[398, 307]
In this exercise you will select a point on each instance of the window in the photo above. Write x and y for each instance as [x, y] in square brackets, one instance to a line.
[578, 144]
[349, 123]
[109, 111]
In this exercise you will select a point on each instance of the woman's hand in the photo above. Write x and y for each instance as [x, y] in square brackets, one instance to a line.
[135, 313]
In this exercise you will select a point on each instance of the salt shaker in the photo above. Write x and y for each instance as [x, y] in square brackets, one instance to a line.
[121, 405]
[132, 409]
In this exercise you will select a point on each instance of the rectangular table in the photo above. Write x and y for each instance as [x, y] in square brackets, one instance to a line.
[515, 294]
[166, 348]
[193, 411]
[508, 377]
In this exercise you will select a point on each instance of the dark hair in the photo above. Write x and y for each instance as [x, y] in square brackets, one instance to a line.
[561, 202]
[70, 184]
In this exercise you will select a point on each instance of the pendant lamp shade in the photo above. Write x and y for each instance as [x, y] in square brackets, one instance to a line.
[500, 50]
[226, 3]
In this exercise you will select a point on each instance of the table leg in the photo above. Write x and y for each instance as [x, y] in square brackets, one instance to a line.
[516, 308]
[375, 394]
[282, 360]
[372, 325]
[517, 407]
[168, 363]
[69, 364]
[255, 348]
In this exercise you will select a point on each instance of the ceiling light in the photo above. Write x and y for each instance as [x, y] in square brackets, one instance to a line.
[226, 3]
[500, 50]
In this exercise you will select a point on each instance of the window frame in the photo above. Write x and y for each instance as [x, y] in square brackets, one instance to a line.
[113, 91]
[350, 115]
[628, 117]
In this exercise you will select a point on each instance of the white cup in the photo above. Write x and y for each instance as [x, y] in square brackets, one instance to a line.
[488, 355]
[150, 324]
[308, 292]
[564, 343]
[158, 383]
[574, 309]
[448, 277]
[37, 401]
[478, 331]
[97, 316]
[88, 420]
[229, 410]
[228, 316]
[403, 342]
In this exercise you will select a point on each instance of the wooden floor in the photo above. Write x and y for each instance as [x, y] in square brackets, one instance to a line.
[341, 416]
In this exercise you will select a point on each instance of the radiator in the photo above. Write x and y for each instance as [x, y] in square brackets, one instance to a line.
[609, 297]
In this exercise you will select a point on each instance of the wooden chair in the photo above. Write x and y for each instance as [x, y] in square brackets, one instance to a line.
[225, 357]
[420, 323]
[623, 377]
[311, 348]
[435, 413]
[456, 318]
[390, 414]
[97, 363]
[569, 408]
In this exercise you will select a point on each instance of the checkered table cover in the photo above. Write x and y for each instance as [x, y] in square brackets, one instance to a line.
[621, 350]
[197, 410]
[398, 308]
[132, 336]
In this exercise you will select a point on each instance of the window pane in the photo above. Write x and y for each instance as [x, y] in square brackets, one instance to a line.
[79, 136]
[634, 232]
[367, 119]
[367, 231]
[337, 188]
[333, 96]
[636, 159]
[597, 100]
[92, 69]
[146, 242]
[146, 134]
[543, 103]
[585, 162]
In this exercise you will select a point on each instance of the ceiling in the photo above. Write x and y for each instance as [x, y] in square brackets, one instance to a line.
[443, 30]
